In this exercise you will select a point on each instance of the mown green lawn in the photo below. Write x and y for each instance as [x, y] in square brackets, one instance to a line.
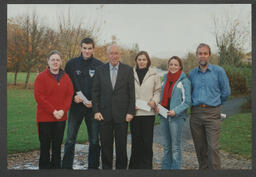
[21, 122]
[21, 77]
[236, 135]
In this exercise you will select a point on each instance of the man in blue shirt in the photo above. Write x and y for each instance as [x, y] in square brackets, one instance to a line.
[210, 89]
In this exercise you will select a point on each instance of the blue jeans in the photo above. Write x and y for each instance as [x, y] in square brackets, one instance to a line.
[171, 131]
[74, 121]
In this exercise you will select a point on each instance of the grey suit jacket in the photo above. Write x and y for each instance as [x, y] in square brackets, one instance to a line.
[113, 103]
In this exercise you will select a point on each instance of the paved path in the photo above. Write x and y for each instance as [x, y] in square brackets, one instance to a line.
[30, 160]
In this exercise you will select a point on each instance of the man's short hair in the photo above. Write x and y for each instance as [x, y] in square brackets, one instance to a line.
[203, 45]
[87, 40]
[52, 52]
[108, 48]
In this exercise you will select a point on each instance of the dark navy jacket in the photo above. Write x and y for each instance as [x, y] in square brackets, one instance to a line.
[82, 72]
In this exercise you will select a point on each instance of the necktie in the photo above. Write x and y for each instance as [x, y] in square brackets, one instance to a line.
[113, 77]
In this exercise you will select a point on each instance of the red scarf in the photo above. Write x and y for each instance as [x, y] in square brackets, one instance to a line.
[167, 88]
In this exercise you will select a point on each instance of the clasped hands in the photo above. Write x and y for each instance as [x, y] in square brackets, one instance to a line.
[58, 114]
[77, 99]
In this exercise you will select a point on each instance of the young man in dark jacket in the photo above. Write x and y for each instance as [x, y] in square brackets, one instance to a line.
[81, 71]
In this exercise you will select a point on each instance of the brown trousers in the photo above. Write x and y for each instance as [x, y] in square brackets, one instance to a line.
[205, 127]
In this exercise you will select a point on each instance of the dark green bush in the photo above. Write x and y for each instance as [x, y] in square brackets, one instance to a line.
[240, 79]
[241, 83]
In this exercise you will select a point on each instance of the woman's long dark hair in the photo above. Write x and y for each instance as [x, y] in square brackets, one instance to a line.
[147, 56]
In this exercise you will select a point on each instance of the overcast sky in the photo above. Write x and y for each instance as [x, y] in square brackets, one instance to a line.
[163, 30]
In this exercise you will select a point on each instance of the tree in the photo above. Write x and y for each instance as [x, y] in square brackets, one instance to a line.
[50, 40]
[129, 54]
[231, 37]
[70, 34]
[36, 43]
[100, 52]
[190, 62]
[28, 45]
[15, 48]
[160, 63]
[29, 41]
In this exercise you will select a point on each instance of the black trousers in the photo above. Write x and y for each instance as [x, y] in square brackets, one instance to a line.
[50, 137]
[142, 129]
[109, 130]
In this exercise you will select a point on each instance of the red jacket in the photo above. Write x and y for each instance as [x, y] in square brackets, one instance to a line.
[52, 95]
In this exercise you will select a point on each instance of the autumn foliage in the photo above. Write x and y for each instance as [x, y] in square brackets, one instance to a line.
[29, 42]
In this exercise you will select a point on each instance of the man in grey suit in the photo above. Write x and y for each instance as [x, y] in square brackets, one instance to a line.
[113, 99]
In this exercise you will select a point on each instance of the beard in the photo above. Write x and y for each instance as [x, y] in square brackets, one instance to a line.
[203, 63]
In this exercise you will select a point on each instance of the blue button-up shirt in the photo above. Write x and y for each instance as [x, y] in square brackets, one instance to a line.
[210, 87]
[112, 70]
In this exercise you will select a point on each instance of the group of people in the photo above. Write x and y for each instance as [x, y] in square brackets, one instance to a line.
[106, 97]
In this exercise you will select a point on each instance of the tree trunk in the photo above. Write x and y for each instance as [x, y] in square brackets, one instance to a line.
[15, 77]
[27, 79]
[17, 68]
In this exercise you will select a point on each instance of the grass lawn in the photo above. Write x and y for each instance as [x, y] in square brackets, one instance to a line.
[157, 119]
[21, 77]
[21, 122]
[236, 135]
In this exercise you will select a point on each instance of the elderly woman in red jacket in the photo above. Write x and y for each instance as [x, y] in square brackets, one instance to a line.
[53, 92]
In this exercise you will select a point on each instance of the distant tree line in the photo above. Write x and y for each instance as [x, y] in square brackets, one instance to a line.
[29, 42]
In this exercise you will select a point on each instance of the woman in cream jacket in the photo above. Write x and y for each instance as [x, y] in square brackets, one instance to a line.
[147, 89]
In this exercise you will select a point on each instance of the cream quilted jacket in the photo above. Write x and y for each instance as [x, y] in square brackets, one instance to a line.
[149, 89]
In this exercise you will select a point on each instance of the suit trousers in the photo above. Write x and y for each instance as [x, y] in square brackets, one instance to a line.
[142, 129]
[110, 131]
[205, 127]
[50, 136]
